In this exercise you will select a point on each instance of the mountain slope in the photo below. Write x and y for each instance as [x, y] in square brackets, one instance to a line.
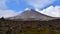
[31, 15]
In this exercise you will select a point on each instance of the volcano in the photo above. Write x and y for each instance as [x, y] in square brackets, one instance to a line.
[29, 15]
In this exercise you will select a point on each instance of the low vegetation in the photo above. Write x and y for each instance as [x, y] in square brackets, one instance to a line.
[29, 27]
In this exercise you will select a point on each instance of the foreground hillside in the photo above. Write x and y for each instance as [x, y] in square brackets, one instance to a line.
[29, 27]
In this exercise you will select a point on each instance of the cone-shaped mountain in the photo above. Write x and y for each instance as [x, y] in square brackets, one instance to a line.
[31, 15]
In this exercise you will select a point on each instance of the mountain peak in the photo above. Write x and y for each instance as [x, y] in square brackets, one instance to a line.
[31, 14]
[27, 9]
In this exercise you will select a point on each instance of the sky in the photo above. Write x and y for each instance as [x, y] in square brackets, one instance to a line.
[9, 8]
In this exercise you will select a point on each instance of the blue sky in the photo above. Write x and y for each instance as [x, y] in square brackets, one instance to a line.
[21, 4]
[10, 8]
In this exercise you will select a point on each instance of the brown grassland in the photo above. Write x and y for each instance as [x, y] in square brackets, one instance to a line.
[29, 27]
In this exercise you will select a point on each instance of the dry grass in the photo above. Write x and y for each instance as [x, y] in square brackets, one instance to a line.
[29, 27]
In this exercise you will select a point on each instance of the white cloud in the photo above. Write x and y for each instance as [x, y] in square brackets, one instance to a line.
[8, 13]
[51, 11]
[4, 11]
[27, 9]
[39, 3]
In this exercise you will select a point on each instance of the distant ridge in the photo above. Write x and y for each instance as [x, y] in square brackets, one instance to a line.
[31, 14]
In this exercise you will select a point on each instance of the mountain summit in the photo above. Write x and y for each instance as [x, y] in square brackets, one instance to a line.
[31, 14]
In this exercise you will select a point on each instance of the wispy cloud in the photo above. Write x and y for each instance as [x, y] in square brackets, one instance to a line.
[36, 3]
[3, 4]
[39, 3]
[4, 11]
